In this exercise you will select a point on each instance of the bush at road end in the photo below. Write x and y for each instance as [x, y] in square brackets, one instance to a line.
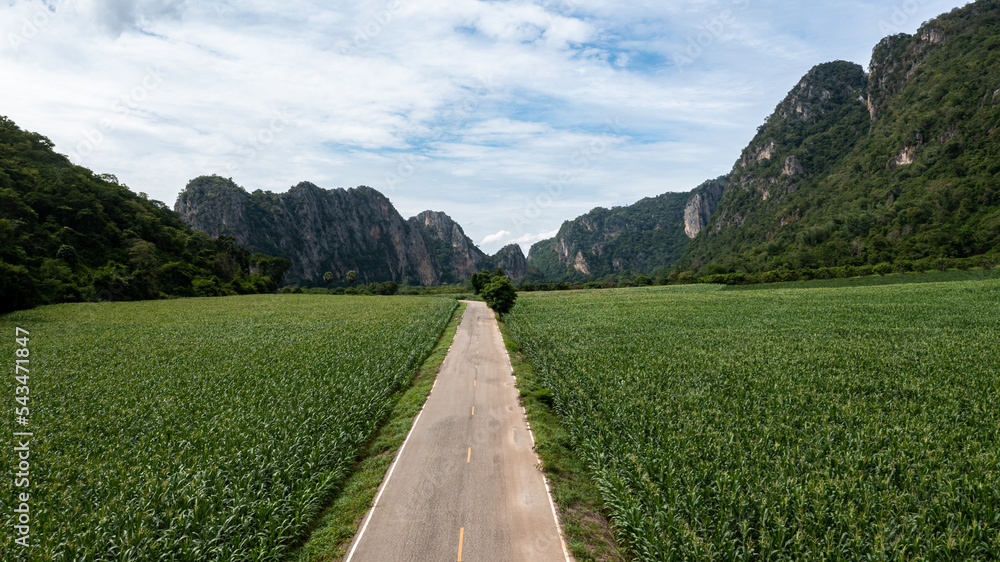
[499, 295]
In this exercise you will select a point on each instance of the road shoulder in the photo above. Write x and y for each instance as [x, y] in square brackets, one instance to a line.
[585, 525]
[335, 529]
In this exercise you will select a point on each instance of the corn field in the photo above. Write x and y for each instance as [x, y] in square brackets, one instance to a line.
[780, 424]
[202, 429]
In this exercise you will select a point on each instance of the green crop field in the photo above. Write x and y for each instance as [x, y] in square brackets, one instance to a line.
[199, 429]
[784, 424]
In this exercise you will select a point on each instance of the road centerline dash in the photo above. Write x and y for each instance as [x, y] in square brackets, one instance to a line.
[412, 515]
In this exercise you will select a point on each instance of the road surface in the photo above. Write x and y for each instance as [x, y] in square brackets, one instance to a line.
[465, 485]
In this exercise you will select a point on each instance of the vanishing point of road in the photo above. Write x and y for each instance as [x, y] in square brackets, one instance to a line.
[465, 485]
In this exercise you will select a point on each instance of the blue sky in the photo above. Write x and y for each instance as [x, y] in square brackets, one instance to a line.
[510, 116]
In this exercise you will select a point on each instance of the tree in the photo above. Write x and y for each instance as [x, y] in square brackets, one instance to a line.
[328, 277]
[387, 288]
[500, 295]
[352, 277]
[480, 280]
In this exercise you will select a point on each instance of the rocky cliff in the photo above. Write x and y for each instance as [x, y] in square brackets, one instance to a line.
[825, 112]
[701, 206]
[512, 260]
[457, 256]
[642, 237]
[336, 230]
[898, 164]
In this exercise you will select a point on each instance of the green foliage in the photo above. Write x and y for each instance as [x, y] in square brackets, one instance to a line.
[204, 429]
[387, 288]
[855, 203]
[883, 269]
[69, 235]
[641, 237]
[779, 424]
[500, 294]
[480, 280]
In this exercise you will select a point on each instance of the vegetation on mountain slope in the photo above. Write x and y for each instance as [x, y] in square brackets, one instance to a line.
[910, 171]
[69, 235]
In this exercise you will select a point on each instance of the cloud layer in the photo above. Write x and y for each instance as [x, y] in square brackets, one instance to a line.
[510, 116]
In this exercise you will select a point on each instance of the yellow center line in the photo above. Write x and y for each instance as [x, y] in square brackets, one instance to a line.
[461, 536]
[469, 458]
[473, 410]
[474, 383]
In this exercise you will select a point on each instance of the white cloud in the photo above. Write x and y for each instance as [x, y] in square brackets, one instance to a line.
[477, 108]
[497, 238]
[529, 239]
[505, 238]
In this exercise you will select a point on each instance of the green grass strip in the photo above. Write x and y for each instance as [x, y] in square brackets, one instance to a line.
[339, 523]
[585, 526]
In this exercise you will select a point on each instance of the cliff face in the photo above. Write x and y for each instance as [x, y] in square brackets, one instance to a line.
[895, 60]
[701, 206]
[512, 260]
[806, 135]
[336, 230]
[856, 169]
[456, 255]
[642, 237]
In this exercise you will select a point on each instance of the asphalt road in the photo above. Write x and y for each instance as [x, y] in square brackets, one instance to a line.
[465, 485]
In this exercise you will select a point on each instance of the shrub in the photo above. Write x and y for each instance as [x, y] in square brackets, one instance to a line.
[387, 288]
[500, 295]
[883, 268]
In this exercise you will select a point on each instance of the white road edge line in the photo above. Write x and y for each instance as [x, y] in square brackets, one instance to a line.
[548, 490]
[385, 484]
[399, 454]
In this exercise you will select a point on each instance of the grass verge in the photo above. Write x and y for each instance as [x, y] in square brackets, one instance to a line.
[341, 520]
[585, 525]
[876, 280]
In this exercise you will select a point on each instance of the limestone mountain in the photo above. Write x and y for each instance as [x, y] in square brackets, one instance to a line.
[337, 230]
[457, 256]
[852, 168]
[70, 235]
[512, 260]
[900, 164]
[642, 237]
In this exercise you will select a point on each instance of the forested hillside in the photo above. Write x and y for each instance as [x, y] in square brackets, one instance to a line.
[69, 235]
[897, 166]
[643, 237]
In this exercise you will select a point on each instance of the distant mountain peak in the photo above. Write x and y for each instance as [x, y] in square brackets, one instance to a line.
[337, 230]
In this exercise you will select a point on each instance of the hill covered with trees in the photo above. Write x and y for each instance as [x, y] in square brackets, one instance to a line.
[70, 235]
[899, 165]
